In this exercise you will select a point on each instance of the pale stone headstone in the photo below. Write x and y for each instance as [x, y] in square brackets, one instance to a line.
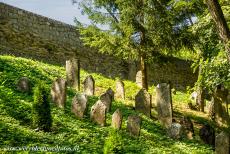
[73, 73]
[143, 102]
[120, 89]
[106, 99]
[175, 131]
[79, 105]
[98, 113]
[164, 104]
[134, 125]
[117, 119]
[24, 85]
[222, 143]
[89, 85]
[111, 93]
[58, 92]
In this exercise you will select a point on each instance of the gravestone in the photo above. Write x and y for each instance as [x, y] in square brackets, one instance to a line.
[188, 127]
[175, 131]
[117, 119]
[222, 143]
[120, 89]
[111, 93]
[106, 99]
[143, 102]
[24, 85]
[79, 105]
[134, 125]
[164, 104]
[207, 134]
[73, 73]
[98, 113]
[89, 85]
[58, 92]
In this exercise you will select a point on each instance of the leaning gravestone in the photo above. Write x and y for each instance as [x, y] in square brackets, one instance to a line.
[164, 104]
[222, 143]
[24, 85]
[98, 113]
[175, 131]
[73, 73]
[58, 92]
[106, 99]
[134, 125]
[117, 119]
[111, 93]
[120, 89]
[89, 85]
[79, 105]
[143, 102]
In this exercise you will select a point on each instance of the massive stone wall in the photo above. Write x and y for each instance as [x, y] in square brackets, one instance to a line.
[26, 34]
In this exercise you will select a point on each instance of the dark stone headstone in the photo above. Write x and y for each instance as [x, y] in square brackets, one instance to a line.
[134, 125]
[111, 93]
[89, 85]
[24, 85]
[106, 99]
[58, 92]
[120, 89]
[98, 113]
[187, 124]
[143, 102]
[207, 134]
[73, 73]
[222, 143]
[117, 119]
[79, 105]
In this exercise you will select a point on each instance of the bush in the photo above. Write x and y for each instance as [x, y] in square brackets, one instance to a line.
[41, 109]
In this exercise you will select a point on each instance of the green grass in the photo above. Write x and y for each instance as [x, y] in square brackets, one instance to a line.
[16, 128]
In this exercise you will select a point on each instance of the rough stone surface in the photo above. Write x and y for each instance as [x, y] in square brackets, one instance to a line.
[106, 99]
[120, 89]
[58, 92]
[207, 135]
[117, 119]
[98, 113]
[175, 131]
[143, 102]
[222, 143]
[24, 85]
[164, 104]
[134, 125]
[89, 85]
[188, 127]
[111, 93]
[79, 105]
[73, 73]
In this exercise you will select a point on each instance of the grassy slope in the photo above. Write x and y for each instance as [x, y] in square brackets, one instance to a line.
[15, 116]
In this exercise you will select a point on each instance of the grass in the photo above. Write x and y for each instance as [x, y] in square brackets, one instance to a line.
[69, 132]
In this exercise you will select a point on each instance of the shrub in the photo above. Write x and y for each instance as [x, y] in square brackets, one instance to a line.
[41, 109]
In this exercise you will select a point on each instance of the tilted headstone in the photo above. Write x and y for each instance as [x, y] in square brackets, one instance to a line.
[222, 143]
[164, 104]
[111, 93]
[117, 119]
[89, 85]
[98, 113]
[134, 125]
[106, 99]
[175, 131]
[24, 85]
[73, 73]
[58, 92]
[79, 105]
[143, 102]
[120, 89]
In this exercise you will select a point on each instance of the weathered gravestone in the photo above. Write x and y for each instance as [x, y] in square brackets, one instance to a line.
[164, 104]
[89, 85]
[120, 89]
[207, 134]
[106, 99]
[73, 73]
[117, 119]
[222, 143]
[98, 113]
[24, 85]
[188, 127]
[79, 105]
[175, 131]
[134, 125]
[143, 102]
[58, 92]
[111, 93]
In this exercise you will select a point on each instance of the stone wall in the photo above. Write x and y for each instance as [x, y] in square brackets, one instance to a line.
[26, 34]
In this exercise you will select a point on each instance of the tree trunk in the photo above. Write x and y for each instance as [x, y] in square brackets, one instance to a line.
[200, 93]
[144, 81]
[221, 24]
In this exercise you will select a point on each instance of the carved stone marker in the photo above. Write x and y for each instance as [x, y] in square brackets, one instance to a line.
[58, 92]
[143, 102]
[111, 93]
[73, 73]
[24, 85]
[222, 143]
[164, 104]
[175, 131]
[134, 125]
[106, 99]
[117, 119]
[187, 124]
[207, 134]
[79, 105]
[89, 85]
[120, 89]
[98, 113]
